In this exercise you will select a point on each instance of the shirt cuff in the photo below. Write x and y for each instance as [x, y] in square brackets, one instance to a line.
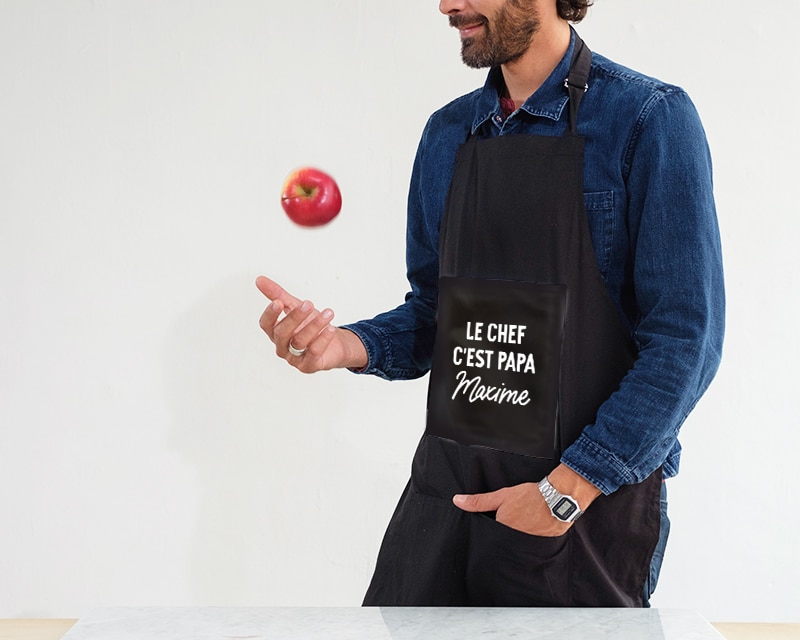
[373, 344]
[597, 465]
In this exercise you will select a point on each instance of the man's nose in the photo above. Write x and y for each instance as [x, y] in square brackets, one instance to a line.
[451, 7]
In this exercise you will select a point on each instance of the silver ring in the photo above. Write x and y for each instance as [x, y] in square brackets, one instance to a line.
[295, 351]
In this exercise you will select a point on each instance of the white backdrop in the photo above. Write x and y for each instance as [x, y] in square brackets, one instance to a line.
[152, 449]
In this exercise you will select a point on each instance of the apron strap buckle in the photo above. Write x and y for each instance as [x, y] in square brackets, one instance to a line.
[575, 86]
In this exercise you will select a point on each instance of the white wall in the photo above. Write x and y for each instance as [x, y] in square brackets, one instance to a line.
[154, 452]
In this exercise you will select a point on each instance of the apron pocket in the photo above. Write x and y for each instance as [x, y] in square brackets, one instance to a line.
[422, 558]
[509, 568]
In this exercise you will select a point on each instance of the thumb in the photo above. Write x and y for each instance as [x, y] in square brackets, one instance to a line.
[479, 502]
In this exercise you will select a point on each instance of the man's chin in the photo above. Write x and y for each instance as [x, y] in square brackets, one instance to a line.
[471, 58]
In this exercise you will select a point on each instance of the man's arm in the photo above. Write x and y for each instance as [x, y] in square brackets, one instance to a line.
[678, 284]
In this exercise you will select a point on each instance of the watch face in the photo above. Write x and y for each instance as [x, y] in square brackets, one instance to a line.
[564, 509]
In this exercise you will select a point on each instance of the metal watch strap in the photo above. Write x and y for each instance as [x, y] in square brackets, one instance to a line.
[562, 507]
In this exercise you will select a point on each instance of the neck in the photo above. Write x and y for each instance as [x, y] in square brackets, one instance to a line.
[526, 74]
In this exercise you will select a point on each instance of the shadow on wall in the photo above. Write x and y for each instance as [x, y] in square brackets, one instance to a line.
[243, 421]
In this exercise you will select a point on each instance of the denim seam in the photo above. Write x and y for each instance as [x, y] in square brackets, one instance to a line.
[655, 99]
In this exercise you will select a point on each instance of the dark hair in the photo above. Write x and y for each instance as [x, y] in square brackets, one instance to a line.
[573, 10]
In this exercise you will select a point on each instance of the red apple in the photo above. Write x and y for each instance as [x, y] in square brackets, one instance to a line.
[311, 197]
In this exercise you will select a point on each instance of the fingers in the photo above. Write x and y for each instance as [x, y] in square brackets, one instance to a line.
[304, 328]
[312, 358]
[284, 330]
[304, 336]
[282, 302]
[300, 332]
[270, 317]
[276, 292]
[480, 502]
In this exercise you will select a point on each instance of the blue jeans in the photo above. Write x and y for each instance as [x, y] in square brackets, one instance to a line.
[658, 554]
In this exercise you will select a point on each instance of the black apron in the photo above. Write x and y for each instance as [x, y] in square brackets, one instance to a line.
[529, 344]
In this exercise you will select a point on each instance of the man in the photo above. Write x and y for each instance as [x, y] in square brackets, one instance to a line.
[567, 297]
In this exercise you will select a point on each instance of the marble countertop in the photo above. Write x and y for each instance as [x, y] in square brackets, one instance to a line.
[360, 623]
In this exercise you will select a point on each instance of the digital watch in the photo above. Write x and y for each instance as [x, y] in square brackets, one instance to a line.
[564, 508]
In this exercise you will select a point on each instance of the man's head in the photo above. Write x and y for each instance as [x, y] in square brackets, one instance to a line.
[497, 32]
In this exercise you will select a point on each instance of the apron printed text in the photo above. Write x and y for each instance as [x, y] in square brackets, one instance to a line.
[480, 358]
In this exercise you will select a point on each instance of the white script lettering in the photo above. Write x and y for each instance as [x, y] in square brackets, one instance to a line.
[475, 390]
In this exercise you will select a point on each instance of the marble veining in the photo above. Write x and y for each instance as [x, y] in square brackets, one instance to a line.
[406, 623]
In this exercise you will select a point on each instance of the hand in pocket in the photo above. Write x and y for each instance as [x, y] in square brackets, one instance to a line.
[519, 507]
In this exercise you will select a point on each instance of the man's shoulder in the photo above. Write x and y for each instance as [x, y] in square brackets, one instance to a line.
[628, 101]
[627, 83]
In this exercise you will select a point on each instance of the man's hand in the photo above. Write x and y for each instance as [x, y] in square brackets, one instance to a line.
[309, 331]
[523, 508]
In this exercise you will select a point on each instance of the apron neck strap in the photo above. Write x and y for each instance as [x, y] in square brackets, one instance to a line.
[576, 82]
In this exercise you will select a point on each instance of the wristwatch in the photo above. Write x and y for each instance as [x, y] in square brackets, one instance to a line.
[564, 508]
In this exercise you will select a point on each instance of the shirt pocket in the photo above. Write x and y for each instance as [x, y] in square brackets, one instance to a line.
[599, 207]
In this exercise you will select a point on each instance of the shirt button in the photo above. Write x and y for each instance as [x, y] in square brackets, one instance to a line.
[498, 119]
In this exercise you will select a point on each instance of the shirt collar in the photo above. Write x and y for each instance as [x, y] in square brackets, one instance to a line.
[548, 101]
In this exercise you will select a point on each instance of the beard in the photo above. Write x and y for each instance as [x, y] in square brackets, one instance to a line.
[505, 39]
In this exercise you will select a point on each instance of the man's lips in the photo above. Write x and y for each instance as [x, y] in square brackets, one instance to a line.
[469, 30]
[467, 25]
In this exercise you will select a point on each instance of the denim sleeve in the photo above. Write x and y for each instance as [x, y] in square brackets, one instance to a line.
[399, 343]
[677, 278]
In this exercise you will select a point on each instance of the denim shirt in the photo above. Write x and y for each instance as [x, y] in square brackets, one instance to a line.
[649, 201]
